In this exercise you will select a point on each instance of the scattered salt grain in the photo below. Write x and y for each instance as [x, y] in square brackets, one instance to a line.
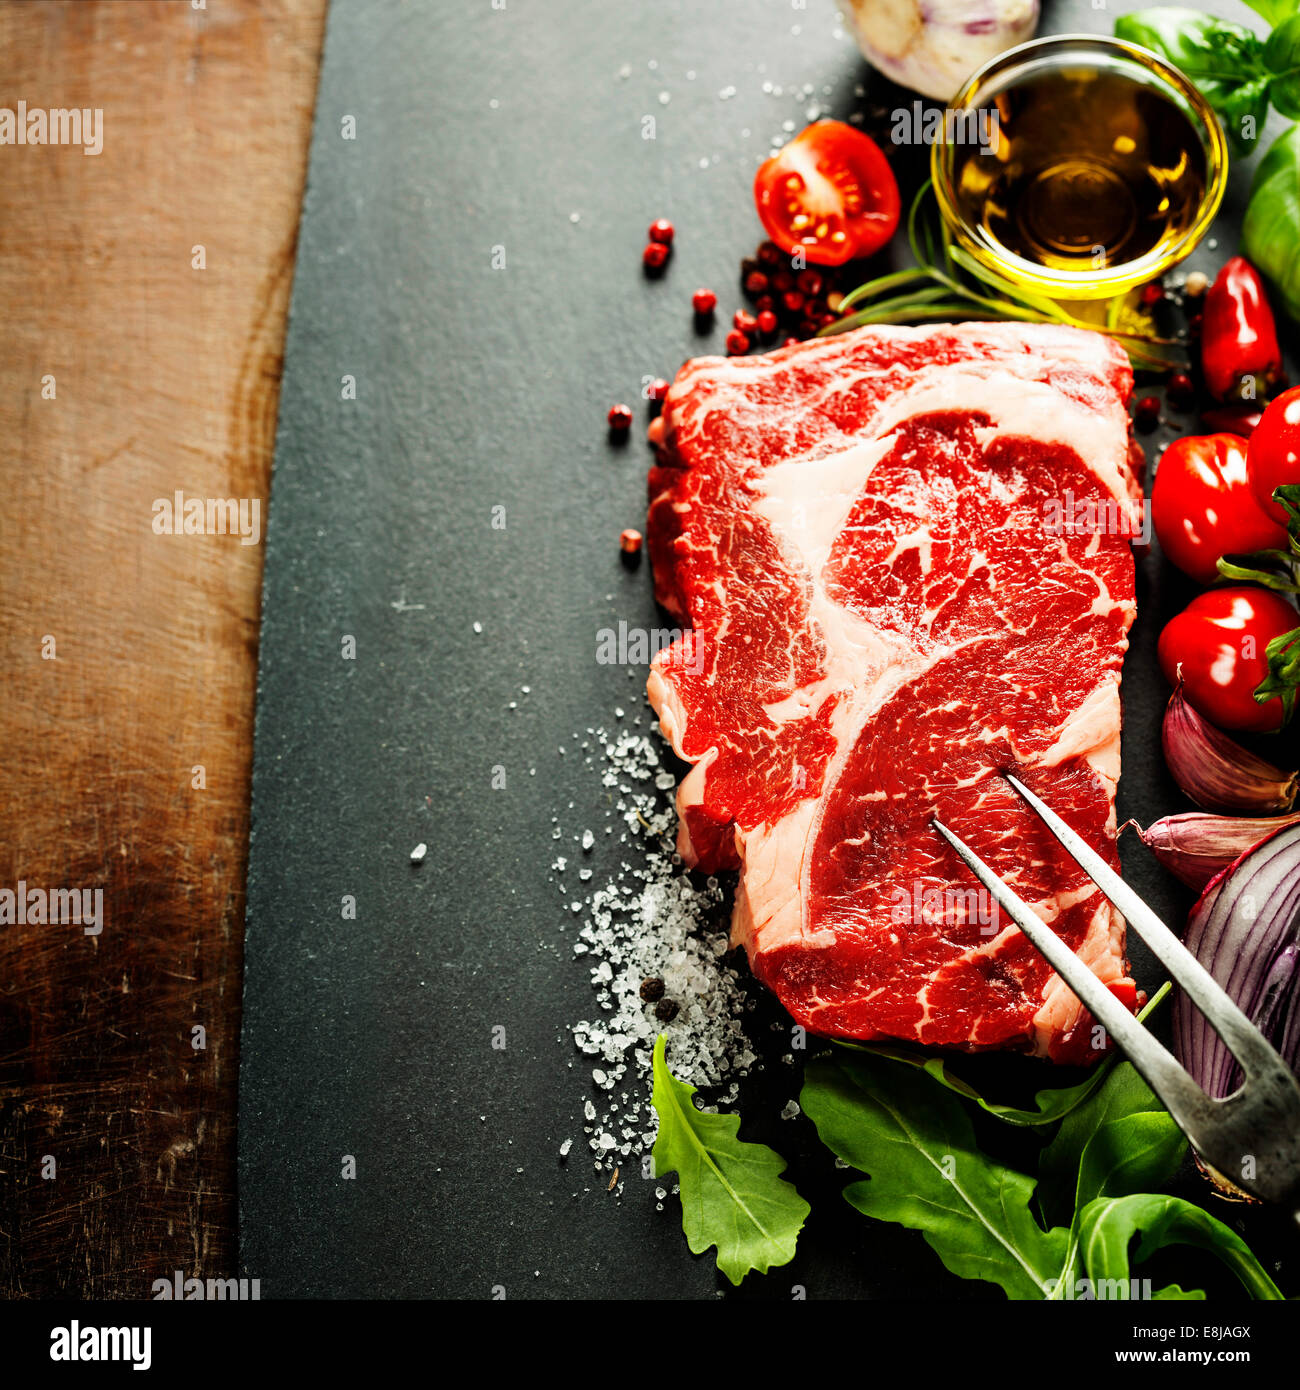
[419, 852]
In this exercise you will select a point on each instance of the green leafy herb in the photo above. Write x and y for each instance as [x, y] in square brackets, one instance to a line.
[1138, 1151]
[1108, 1225]
[1224, 60]
[1282, 59]
[911, 1133]
[1122, 1095]
[1239, 74]
[1268, 230]
[927, 1172]
[1050, 1104]
[732, 1193]
[1274, 11]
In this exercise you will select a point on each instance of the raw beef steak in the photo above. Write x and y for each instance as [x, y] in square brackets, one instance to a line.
[903, 557]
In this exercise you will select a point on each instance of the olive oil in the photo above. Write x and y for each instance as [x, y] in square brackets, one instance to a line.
[1089, 170]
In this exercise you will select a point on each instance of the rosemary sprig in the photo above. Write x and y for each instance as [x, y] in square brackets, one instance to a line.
[947, 282]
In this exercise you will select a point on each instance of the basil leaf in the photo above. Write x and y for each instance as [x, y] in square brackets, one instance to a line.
[1214, 53]
[927, 1172]
[1243, 111]
[1108, 1225]
[1268, 230]
[1282, 59]
[1224, 60]
[732, 1193]
[1273, 10]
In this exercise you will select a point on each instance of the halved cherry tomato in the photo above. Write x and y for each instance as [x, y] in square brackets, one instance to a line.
[1202, 505]
[829, 191]
[1219, 641]
[1273, 457]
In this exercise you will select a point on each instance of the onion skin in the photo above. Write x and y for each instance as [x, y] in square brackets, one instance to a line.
[1215, 771]
[1195, 847]
[1245, 930]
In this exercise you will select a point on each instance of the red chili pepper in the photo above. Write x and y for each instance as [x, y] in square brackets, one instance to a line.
[1239, 348]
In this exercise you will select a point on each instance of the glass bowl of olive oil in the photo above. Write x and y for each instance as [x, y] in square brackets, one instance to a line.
[1078, 167]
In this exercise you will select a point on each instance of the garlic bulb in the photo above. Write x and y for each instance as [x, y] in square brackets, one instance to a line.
[933, 46]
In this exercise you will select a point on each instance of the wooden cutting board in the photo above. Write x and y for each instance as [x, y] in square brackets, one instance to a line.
[127, 658]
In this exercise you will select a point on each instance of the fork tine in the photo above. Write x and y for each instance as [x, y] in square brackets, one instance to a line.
[1243, 1039]
[1180, 1094]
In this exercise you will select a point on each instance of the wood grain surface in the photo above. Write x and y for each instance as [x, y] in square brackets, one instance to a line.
[127, 658]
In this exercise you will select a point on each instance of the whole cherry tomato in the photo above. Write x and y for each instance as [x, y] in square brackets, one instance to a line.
[831, 192]
[1219, 641]
[1273, 457]
[1202, 505]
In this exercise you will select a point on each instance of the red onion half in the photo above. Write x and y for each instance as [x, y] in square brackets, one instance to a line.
[1245, 930]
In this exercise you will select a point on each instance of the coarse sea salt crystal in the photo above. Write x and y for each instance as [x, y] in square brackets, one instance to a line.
[647, 918]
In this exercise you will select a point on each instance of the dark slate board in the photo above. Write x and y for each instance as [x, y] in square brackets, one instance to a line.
[479, 127]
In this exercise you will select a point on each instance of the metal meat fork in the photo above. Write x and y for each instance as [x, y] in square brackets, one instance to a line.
[1261, 1119]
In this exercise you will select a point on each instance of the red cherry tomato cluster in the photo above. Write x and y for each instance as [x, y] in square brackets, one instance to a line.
[1213, 496]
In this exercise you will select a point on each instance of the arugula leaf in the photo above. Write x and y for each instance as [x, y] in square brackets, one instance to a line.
[1132, 1154]
[1108, 1225]
[1122, 1157]
[1061, 1162]
[909, 1131]
[927, 1172]
[732, 1193]
[1052, 1103]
